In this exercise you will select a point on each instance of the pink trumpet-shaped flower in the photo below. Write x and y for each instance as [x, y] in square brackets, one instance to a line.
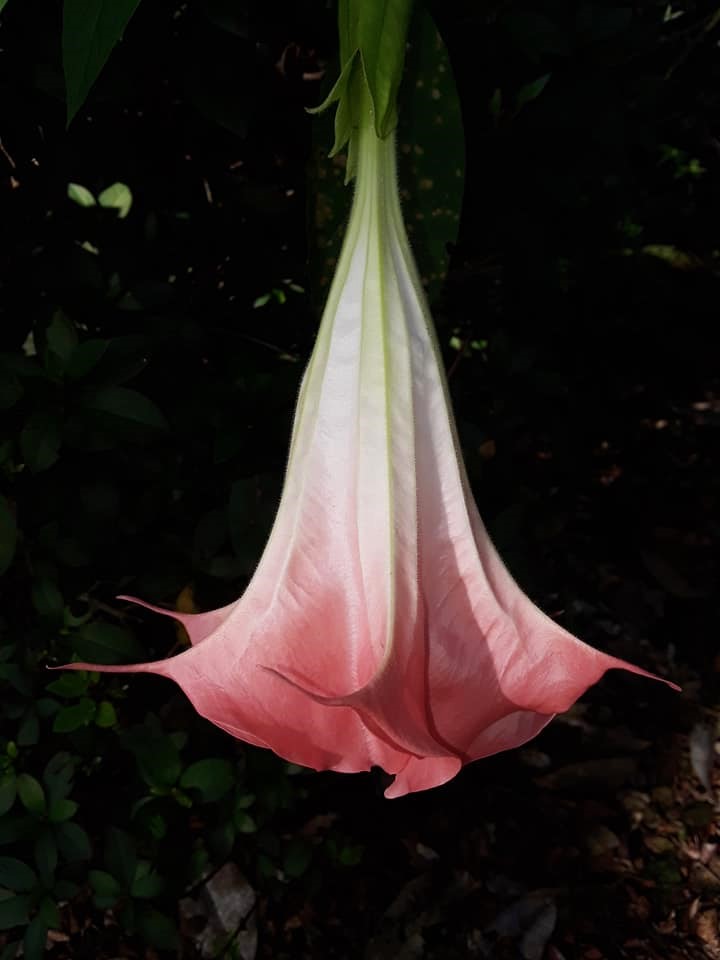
[381, 627]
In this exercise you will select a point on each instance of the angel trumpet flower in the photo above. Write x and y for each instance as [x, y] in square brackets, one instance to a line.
[381, 627]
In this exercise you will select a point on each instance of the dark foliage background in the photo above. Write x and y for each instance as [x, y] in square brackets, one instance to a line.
[148, 373]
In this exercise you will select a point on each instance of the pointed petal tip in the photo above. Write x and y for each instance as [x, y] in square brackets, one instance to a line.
[158, 667]
[618, 664]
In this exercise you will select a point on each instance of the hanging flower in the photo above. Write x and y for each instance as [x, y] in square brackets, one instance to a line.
[381, 627]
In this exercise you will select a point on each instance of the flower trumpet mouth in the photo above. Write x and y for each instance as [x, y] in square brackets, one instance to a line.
[381, 626]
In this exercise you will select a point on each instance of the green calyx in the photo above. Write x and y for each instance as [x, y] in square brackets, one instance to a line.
[372, 53]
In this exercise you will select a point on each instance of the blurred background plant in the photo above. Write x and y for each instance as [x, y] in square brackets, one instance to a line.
[169, 231]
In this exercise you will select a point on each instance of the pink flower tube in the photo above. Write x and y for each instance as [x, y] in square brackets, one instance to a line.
[381, 627]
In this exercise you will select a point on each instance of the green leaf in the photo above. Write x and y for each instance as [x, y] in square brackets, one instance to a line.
[16, 875]
[531, 91]
[29, 730]
[17, 677]
[49, 912]
[32, 795]
[212, 778]
[157, 929]
[244, 823]
[73, 842]
[7, 791]
[58, 775]
[46, 856]
[62, 809]
[157, 757]
[40, 441]
[47, 599]
[91, 28]
[351, 855]
[85, 358]
[10, 391]
[120, 857]
[70, 685]
[47, 707]
[72, 718]
[105, 643]
[146, 883]
[382, 31]
[16, 829]
[65, 889]
[105, 716]
[34, 939]
[117, 197]
[130, 405]
[62, 338]
[297, 857]
[434, 176]
[80, 195]
[8, 535]
[106, 888]
[13, 912]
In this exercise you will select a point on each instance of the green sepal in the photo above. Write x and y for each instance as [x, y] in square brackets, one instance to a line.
[372, 54]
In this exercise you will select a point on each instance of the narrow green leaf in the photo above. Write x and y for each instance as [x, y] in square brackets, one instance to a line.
[91, 28]
[80, 195]
[16, 875]
[8, 535]
[2, 5]
[531, 91]
[118, 197]
[32, 795]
